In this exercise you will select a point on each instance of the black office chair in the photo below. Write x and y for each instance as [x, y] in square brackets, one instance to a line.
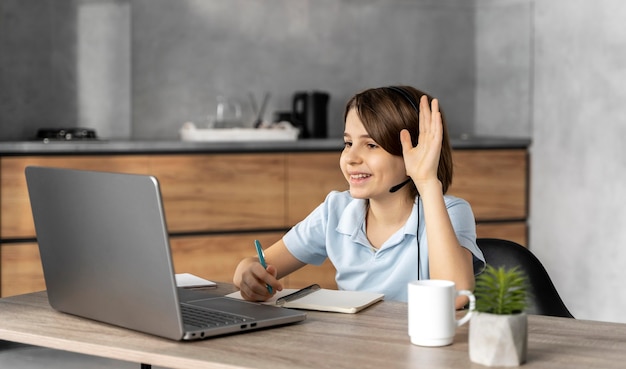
[544, 298]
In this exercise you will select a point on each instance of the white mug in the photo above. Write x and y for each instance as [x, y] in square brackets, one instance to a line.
[432, 320]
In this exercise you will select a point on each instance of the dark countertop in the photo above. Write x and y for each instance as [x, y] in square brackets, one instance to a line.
[104, 147]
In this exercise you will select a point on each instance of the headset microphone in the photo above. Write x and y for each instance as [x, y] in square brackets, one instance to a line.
[399, 186]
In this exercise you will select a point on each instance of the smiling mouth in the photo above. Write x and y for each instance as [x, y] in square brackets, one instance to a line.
[359, 178]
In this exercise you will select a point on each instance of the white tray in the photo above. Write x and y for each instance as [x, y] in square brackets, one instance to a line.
[189, 132]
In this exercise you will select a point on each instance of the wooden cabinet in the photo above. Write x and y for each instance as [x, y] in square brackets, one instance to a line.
[200, 192]
[216, 256]
[495, 183]
[20, 269]
[217, 204]
[221, 192]
[16, 220]
[310, 177]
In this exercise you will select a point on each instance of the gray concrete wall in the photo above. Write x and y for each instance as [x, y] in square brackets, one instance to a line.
[140, 68]
[34, 62]
[578, 159]
[186, 53]
[64, 64]
[503, 49]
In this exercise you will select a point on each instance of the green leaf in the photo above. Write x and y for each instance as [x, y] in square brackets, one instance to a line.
[501, 291]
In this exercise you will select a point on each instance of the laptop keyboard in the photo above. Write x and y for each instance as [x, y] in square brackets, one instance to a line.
[209, 318]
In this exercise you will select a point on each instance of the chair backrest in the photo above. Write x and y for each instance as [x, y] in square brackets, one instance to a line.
[544, 298]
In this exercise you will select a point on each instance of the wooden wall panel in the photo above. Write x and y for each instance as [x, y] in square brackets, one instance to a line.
[493, 181]
[216, 257]
[513, 231]
[222, 192]
[310, 177]
[212, 195]
[21, 270]
[16, 220]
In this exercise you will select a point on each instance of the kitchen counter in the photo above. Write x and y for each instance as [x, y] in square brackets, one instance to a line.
[105, 147]
[219, 196]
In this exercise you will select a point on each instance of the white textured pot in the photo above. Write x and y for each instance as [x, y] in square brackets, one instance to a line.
[498, 340]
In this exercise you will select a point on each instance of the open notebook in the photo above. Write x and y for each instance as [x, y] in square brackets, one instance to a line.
[315, 298]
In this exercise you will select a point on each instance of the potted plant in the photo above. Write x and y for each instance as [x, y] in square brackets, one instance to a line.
[498, 333]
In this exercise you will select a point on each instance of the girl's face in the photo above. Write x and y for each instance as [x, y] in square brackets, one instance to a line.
[369, 169]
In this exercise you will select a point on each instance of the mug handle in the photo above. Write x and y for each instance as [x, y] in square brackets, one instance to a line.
[472, 306]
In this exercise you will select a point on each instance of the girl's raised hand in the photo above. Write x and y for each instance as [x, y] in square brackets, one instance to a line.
[422, 160]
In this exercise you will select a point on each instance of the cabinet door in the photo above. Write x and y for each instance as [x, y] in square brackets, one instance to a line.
[222, 192]
[212, 257]
[16, 219]
[21, 270]
[216, 257]
[494, 182]
[512, 231]
[310, 177]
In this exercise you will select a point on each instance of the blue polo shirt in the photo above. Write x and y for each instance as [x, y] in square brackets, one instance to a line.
[336, 230]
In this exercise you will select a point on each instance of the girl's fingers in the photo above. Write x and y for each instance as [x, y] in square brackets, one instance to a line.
[405, 140]
[430, 116]
[424, 116]
[254, 283]
[253, 291]
[435, 107]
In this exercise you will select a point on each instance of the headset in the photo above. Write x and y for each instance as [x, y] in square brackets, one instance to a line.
[406, 96]
[401, 91]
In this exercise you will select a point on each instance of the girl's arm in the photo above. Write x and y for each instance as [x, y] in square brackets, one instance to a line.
[252, 279]
[446, 257]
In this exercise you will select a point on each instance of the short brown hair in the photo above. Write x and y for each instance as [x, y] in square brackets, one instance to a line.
[385, 111]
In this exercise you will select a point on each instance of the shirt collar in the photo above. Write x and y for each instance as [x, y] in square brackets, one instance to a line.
[353, 217]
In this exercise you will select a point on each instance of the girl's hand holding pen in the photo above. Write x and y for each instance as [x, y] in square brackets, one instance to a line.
[254, 280]
[261, 254]
[255, 288]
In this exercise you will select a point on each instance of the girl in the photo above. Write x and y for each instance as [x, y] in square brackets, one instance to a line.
[395, 224]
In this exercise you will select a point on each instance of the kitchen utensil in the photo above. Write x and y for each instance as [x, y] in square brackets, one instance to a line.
[310, 113]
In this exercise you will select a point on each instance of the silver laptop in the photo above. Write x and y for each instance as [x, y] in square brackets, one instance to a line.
[106, 256]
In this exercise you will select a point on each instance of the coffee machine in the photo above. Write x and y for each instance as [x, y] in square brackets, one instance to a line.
[310, 113]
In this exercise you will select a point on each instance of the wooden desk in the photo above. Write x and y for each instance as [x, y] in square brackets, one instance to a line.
[374, 338]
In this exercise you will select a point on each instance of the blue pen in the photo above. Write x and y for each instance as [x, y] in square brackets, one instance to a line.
[259, 251]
